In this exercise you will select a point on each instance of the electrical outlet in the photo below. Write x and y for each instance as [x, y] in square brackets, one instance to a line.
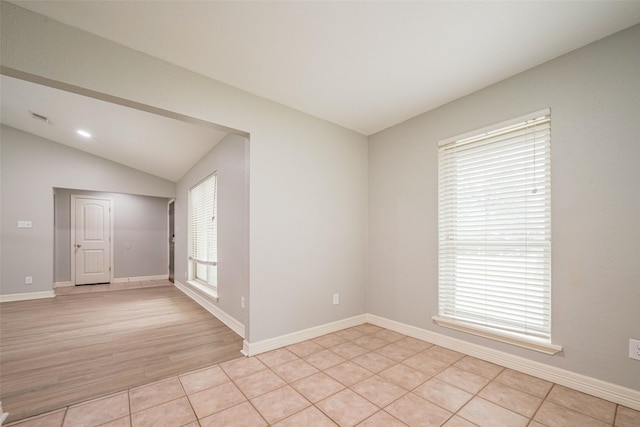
[28, 280]
[241, 302]
[634, 349]
[336, 299]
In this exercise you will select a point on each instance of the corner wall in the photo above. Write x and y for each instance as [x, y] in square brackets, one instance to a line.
[229, 159]
[594, 96]
[308, 181]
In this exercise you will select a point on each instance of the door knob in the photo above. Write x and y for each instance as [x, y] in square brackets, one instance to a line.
[77, 246]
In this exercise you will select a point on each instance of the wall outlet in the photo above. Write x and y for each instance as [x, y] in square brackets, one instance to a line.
[28, 280]
[336, 299]
[241, 302]
[634, 349]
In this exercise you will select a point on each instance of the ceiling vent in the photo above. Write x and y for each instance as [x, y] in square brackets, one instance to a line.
[39, 117]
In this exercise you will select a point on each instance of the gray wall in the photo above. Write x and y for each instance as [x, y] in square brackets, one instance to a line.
[229, 158]
[140, 240]
[308, 198]
[594, 96]
[31, 168]
[309, 186]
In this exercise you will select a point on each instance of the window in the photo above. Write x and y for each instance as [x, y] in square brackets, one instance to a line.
[494, 268]
[203, 225]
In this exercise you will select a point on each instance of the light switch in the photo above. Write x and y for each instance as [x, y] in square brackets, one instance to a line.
[24, 224]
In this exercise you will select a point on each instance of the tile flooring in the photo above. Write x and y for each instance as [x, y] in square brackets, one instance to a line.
[362, 376]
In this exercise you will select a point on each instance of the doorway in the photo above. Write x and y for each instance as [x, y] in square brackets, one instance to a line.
[172, 240]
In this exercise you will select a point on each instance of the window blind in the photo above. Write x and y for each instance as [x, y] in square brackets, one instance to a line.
[204, 230]
[494, 219]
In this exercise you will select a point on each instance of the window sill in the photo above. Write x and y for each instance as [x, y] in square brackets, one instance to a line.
[206, 290]
[531, 344]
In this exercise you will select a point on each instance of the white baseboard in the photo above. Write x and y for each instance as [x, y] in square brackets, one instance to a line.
[602, 389]
[595, 387]
[27, 296]
[62, 284]
[211, 307]
[119, 280]
[3, 415]
[251, 349]
[139, 278]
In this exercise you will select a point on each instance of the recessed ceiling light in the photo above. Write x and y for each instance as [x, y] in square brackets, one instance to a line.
[84, 133]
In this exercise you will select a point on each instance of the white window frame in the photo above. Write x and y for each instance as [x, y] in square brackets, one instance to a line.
[473, 254]
[204, 258]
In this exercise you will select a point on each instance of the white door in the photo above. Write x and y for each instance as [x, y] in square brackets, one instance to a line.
[92, 246]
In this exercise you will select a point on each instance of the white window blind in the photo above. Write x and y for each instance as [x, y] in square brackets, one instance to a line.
[203, 210]
[495, 229]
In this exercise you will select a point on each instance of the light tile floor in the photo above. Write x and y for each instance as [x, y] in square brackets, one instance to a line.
[362, 376]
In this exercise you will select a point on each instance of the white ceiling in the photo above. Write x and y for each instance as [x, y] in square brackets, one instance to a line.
[363, 65]
[158, 145]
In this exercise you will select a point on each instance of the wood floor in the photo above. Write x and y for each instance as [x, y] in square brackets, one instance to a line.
[71, 348]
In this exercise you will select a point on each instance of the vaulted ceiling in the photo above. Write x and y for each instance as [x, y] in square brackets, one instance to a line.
[365, 65]
[155, 144]
[362, 65]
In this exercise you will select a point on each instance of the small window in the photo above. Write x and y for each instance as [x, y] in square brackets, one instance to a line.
[494, 204]
[203, 219]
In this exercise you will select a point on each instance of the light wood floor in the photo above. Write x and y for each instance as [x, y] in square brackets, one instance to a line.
[71, 348]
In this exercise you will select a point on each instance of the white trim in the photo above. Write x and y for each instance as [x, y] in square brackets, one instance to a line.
[173, 200]
[542, 347]
[595, 387]
[62, 284]
[119, 280]
[206, 301]
[251, 349]
[73, 233]
[245, 348]
[139, 278]
[27, 296]
[208, 291]
[3, 415]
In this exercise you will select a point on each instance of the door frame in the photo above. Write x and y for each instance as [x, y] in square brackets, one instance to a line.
[172, 200]
[73, 233]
